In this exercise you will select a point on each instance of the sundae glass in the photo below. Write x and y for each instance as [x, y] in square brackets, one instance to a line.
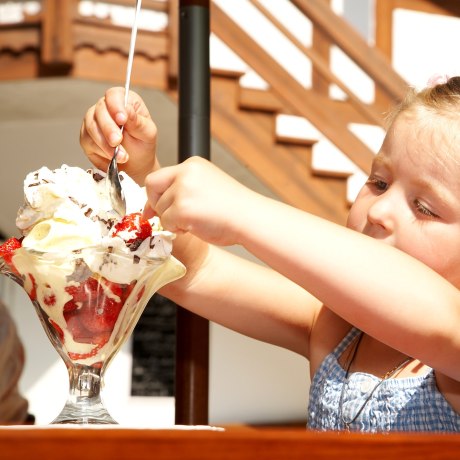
[87, 311]
[88, 271]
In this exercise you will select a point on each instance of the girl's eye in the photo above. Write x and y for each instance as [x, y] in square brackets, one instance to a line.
[379, 184]
[423, 209]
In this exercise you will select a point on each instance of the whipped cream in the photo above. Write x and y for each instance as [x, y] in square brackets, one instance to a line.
[68, 208]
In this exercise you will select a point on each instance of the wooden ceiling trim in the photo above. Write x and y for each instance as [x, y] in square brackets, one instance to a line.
[110, 66]
[104, 38]
[18, 39]
[19, 66]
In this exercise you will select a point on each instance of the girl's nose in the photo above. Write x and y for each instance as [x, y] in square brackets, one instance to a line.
[381, 211]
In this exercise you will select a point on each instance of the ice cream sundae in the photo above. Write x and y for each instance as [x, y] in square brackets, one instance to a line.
[88, 271]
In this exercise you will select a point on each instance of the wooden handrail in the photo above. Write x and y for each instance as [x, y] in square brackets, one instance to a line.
[289, 90]
[322, 66]
[371, 60]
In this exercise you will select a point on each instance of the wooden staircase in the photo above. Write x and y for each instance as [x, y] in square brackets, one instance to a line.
[59, 40]
[247, 129]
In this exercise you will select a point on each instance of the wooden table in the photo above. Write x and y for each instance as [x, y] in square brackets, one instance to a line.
[232, 443]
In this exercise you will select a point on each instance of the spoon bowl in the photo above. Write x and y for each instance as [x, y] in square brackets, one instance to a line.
[114, 188]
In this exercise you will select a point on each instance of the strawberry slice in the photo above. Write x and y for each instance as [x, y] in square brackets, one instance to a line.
[122, 291]
[58, 329]
[133, 229]
[8, 248]
[90, 314]
[83, 291]
[116, 288]
[102, 340]
[77, 330]
[32, 291]
[100, 317]
[49, 297]
[69, 307]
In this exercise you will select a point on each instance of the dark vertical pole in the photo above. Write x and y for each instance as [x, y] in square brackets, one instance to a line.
[192, 343]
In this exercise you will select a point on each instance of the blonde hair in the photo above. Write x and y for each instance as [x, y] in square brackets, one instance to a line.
[442, 99]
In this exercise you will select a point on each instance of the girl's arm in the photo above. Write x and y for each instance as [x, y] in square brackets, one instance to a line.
[242, 295]
[381, 290]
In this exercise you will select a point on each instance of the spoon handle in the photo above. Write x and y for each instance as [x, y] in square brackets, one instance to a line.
[132, 45]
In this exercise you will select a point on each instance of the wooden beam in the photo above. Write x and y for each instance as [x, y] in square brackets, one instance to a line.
[173, 29]
[155, 5]
[57, 37]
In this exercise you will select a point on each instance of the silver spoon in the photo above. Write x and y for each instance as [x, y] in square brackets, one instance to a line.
[113, 183]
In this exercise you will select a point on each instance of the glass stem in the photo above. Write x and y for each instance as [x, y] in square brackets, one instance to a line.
[84, 404]
[85, 383]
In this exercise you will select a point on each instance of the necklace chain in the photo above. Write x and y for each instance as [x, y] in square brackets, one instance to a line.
[389, 374]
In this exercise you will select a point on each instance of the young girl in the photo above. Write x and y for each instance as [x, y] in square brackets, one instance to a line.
[374, 307]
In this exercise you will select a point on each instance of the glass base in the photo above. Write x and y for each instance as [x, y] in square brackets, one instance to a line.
[84, 413]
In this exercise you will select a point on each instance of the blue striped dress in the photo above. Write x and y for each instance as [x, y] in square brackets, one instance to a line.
[403, 404]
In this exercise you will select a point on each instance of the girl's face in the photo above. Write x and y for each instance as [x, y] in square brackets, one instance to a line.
[412, 198]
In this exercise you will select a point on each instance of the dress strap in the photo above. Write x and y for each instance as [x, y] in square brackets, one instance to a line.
[342, 346]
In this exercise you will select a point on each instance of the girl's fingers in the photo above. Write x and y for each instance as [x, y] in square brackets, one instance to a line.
[157, 183]
[105, 131]
[101, 133]
[141, 128]
[114, 101]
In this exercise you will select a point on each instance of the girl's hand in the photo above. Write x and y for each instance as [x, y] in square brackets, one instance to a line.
[100, 133]
[197, 197]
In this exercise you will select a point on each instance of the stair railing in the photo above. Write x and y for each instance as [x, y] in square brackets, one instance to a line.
[293, 95]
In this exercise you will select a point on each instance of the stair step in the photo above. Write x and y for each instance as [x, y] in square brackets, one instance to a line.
[222, 57]
[258, 99]
[370, 135]
[328, 160]
[295, 130]
[228, 73]
[289, 140]
[354, 184]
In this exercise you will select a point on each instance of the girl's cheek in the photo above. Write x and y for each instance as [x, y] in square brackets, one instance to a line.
[353, 221]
